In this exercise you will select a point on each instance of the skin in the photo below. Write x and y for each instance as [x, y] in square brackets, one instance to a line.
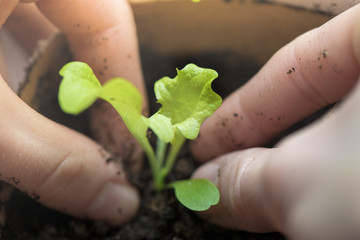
[53, 164]
[300, 187]
[28, 25]
[306, 186]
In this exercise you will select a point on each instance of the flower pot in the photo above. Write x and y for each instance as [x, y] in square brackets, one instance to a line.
[233, 37]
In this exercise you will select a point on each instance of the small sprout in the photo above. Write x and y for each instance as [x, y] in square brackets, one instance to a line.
[187, 100]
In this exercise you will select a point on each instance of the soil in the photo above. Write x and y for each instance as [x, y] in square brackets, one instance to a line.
[160, 215]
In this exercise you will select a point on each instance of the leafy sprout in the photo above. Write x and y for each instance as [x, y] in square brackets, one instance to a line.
[186, 101]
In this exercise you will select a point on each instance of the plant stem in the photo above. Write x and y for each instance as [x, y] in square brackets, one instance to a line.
[159, 171]
[160, 152]
[157, 176]
[160, 156]
[153, 164]
[171, 157]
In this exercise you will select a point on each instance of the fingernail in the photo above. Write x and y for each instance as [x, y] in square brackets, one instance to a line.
[115, 204]
[209, 171]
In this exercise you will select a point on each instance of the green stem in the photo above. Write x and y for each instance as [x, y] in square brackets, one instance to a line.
[160, 156]
[158, 182]
[171, 157]
[160, 152]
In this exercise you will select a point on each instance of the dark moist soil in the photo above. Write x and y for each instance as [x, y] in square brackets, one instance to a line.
[160, 215]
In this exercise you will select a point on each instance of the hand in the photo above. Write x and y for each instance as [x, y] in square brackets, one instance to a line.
[53, 164]
[307, 186]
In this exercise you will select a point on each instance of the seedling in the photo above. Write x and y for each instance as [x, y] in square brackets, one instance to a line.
[187, 100]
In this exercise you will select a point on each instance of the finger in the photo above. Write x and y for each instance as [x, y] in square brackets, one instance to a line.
[238, 176]
[6, 7]
[59, 167]
[316, 69]
[29, 26]
[102, 34]
[307, 187]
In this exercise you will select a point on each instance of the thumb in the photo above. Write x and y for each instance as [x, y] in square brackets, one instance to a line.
[238, 176]
[59, 167]
[306, 187]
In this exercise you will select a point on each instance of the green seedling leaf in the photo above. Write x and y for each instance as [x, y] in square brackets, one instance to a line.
[127, 101]
[196, 194]
[162, 127]
[188, 99]
[78, 89]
